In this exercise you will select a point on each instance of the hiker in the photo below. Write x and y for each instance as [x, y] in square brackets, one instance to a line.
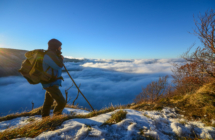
[53, 63]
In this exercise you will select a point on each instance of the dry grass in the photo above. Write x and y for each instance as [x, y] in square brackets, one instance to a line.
[199, 104]
[102, 111]
[143, 106]
[116, 117]
[139, 105]
[178, 98]
[33, 129]
[36, 111]
[205, 96]
[193, 106]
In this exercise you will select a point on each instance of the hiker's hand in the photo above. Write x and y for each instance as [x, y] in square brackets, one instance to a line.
[62, 57]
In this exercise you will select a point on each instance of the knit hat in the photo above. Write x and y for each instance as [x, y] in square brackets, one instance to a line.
[54, 44]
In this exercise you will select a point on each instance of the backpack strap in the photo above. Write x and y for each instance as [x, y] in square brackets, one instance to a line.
[61, 78]
[55, 78]
[55, 58]
[47, 69]
[52, 72]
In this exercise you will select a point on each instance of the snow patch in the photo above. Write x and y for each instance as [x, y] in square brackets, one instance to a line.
[156, 124]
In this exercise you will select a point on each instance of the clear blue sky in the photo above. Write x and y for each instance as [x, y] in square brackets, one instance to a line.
[113, 29]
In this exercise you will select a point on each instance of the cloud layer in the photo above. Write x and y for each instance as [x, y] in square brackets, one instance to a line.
[103, 82]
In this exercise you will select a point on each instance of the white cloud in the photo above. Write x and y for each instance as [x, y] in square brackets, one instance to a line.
[134, 66]
[102, 81]
[70, 57]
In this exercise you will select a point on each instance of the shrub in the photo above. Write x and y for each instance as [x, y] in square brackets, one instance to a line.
[153, 91]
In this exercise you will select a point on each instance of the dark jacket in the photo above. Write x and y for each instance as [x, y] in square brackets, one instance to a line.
[56, 64]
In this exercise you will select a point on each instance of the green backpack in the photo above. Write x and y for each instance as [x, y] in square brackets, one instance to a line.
[32, 67]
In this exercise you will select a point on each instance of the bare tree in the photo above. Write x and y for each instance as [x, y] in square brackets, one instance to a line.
[32, 105]
[204, 56]
[198, 68]
[153, 91]
[76, 96]
[66, 93]
[188, 77]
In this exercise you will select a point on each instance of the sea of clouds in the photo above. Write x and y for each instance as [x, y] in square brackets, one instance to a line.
[103, 82]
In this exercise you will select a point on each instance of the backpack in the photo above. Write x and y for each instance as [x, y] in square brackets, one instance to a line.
[32, 68]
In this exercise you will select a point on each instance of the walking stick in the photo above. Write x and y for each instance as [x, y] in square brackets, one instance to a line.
[77, 87]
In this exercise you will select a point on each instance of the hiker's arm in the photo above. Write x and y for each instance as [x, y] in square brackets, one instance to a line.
[57, 64]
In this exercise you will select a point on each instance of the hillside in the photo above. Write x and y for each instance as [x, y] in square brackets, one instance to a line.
[190, 115]
[11, 60]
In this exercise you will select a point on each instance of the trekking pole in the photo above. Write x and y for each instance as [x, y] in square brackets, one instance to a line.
[77, 87]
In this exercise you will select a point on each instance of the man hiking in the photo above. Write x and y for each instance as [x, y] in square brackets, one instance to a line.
[53, 63]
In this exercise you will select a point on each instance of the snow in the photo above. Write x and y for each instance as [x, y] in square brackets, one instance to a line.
[77, 111]
[163, 125]
[18, 122]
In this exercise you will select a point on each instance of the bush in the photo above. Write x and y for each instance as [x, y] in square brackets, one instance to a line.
[153, 91]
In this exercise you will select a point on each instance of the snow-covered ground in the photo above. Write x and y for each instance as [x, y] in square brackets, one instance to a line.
[161, 125]
[77, 111]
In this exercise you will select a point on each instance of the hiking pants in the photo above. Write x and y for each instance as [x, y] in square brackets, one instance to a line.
[53, 93]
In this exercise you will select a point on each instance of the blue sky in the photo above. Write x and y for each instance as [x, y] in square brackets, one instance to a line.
[107, 29]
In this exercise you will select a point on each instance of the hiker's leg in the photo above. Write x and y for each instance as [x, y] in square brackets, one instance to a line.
[56, 94]
[47, 104]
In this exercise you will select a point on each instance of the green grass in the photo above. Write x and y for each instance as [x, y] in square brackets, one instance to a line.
[116, 117]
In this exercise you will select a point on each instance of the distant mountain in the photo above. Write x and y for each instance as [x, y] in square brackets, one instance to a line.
[11, 60]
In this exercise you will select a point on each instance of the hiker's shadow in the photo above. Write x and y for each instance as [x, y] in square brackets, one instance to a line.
[88, 121]
[82, 122]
